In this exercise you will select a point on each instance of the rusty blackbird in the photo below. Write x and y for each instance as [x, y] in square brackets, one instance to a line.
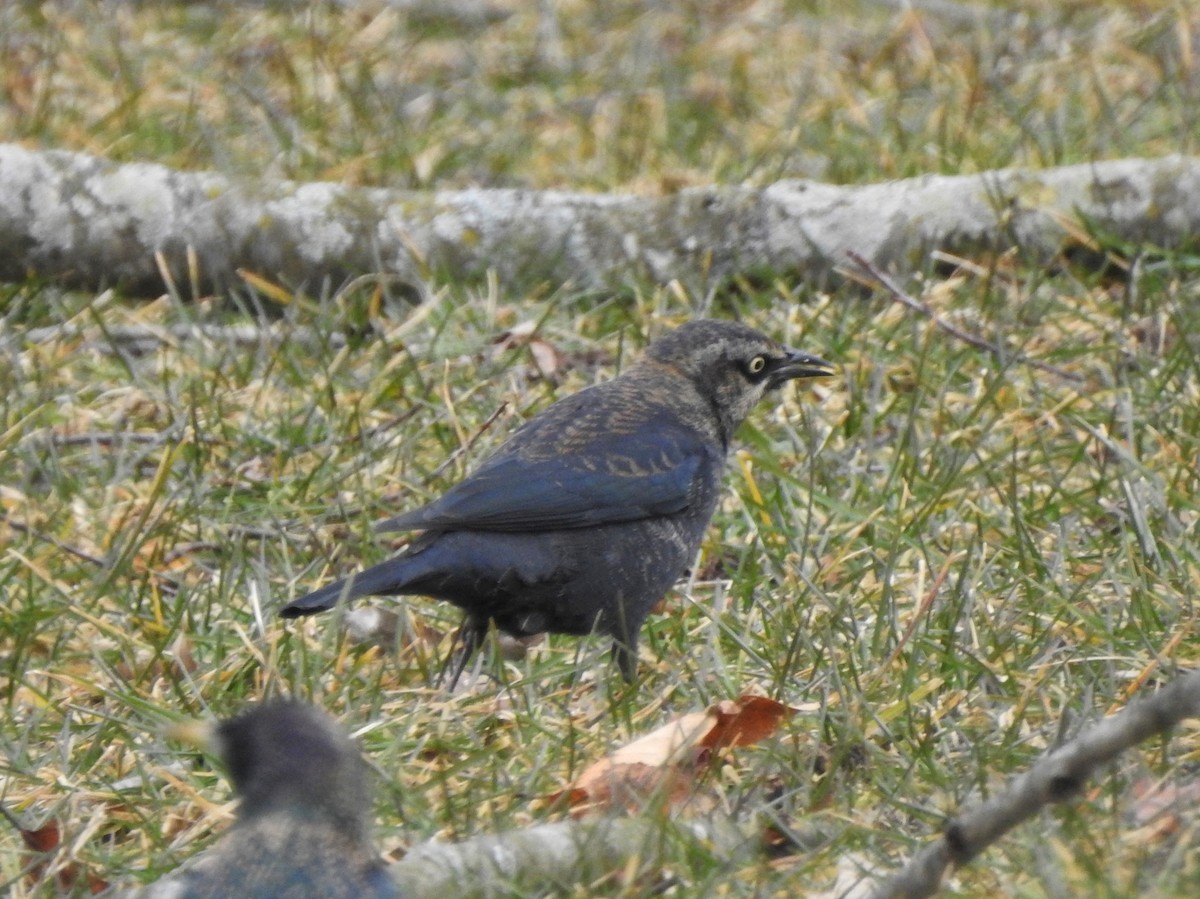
[588, 514]
[304, 825]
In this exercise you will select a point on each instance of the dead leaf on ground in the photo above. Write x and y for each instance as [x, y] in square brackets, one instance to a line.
[665, 764]
[42, 842]
[547, 360]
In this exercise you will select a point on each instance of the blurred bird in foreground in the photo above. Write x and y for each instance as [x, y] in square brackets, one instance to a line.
[584, 519]
[304, 825]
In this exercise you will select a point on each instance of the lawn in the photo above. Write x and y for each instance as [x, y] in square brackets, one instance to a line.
[944, 559]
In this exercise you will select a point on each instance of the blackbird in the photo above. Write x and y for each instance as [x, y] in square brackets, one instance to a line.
[588, 514]
[303, 828]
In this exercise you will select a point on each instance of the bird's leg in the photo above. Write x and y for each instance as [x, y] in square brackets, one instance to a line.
[467, 641]
[625, 640]
[625, 654]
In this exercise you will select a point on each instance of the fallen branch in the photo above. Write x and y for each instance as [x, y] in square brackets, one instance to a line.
[88, 222]
[569, 854]
[1002, 355]
[1055, 778]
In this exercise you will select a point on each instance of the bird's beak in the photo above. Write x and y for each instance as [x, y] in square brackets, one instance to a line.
[800, 365]
[199, 733]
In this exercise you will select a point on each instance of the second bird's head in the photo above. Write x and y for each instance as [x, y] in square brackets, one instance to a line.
[731, 364]
[289, 756]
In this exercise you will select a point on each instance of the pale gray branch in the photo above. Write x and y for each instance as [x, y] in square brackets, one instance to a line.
[1055, 778]
[568, 854]
[563, 856]
[89, 222]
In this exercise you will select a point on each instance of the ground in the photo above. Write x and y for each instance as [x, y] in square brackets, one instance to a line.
[945, 560]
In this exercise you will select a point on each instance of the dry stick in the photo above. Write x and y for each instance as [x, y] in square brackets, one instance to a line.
[466, 447]
[899, 294]
[187, 549]
[1167, 652]
[147, 337]
[394, 422]
[165, 580]
[70, 550]
[107, 438]
[1054, 778]
[924, 606]
[347, 512]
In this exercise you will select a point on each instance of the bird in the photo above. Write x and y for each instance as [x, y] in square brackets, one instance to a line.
[588, 514]
[303, 827]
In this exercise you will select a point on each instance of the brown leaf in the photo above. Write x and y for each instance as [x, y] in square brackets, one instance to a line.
[745, 722]
[547, 360]
[42, 839]
[545, 357]
[665, 762]
[41, 842]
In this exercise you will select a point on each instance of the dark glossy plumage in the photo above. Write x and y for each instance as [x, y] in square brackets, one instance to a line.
[584, 519]
[303, 828]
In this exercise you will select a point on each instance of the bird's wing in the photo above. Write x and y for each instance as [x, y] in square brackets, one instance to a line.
[622, 478]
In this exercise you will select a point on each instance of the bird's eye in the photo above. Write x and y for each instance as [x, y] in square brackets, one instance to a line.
[757, 365]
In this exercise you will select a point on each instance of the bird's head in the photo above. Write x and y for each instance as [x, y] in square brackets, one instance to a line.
[731, 365]
[286, 755]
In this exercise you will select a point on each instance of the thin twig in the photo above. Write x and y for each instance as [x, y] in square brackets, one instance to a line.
[146, 337]
[466, 447]
[51, 539]
[345, 513]
[922, 608]
[394, 422]
[187, 549]
[901, 296]
[107, 438]
[165, 580]
[1056, 777]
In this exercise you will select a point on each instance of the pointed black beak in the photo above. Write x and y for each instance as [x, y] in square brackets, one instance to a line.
[800, 365]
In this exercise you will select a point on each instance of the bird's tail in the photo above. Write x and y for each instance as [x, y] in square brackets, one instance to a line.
[386, 578]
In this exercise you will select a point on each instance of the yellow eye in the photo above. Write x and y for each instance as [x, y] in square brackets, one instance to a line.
[757, 364]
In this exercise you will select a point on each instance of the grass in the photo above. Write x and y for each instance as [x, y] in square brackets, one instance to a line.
[943, 560]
